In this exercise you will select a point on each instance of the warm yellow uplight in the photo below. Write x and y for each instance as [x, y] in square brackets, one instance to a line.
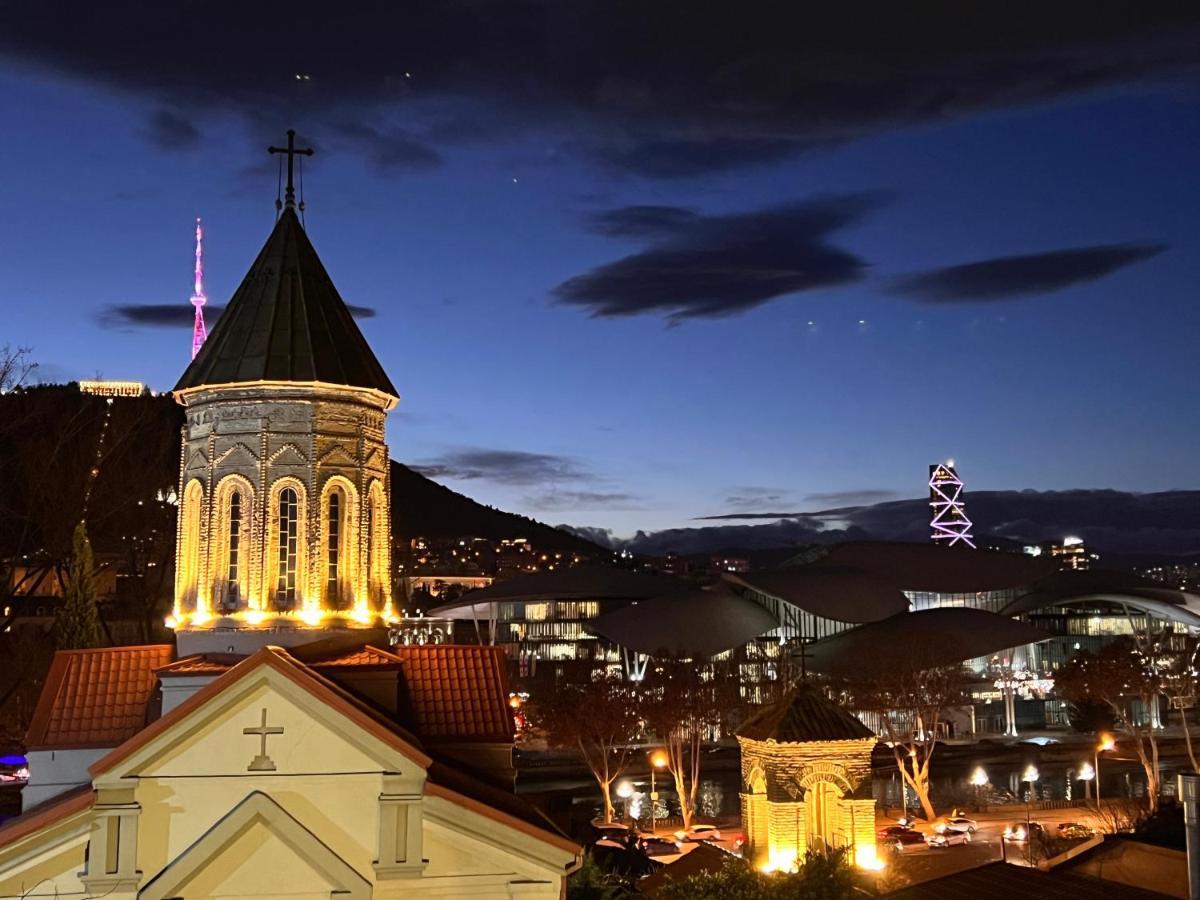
[255, 616]
[361, 614]
[1107, 742]
[865, 857]
[659, 759]
[171, 622]
[311, 616]
[780, 859]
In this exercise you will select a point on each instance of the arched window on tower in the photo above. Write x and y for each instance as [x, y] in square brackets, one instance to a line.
[333, 549]
[287, 549]
[233, 552]
[188, 570]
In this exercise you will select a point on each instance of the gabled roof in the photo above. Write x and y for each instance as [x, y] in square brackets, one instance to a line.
[321, 688]
[287, 322]
[96, 698]
[456, 692]
[804, 714]
[46, 814]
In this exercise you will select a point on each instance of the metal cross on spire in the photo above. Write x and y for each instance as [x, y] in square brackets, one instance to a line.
[291, 150]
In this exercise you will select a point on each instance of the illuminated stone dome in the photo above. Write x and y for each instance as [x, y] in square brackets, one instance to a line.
[284, 518]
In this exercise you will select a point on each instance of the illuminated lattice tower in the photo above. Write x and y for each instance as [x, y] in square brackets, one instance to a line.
[284, 513]
[199, 332]
[948, 520]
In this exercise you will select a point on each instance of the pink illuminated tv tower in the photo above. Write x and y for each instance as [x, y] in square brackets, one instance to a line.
[199, 333]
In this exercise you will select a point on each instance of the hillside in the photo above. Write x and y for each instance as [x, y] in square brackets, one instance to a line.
[50, 438]
[424, 508]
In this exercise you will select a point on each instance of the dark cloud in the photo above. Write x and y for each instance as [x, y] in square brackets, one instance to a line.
[169, 130]
[515, 467]
[755, 497]
[1017, 276]
[177, 315]
[1113, 522]
[395, 150]
[851, 498]
[642, 221]
[565, 500]
[713, 266]
[658, 89]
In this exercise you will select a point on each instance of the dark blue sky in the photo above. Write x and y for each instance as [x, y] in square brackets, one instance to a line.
[790, 333]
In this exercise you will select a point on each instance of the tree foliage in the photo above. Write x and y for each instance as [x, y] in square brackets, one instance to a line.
[78, 623]
[907, 692]
[1121, 676]
[820, 877]
[685, 704]
[599, 719]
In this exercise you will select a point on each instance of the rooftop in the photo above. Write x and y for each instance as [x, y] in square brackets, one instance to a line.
[96, 698]
[1001, 881]
[286, 322]
[803, 715]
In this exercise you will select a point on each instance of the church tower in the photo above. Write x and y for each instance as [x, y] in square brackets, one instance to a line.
[284, 507]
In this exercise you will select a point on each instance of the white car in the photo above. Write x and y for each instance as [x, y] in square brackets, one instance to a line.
[699, 833]
[949, 838]
[958, 823]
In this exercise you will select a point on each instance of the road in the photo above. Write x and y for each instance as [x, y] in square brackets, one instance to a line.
[921, 863]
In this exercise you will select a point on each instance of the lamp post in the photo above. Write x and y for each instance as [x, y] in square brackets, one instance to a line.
[1086, 774]
[1030, 775]
[658, 760]
[625, 791]
[978, 780]
[1106, 743]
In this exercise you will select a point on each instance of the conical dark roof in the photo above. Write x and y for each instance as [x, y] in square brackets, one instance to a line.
[286, 322]
[804, 714]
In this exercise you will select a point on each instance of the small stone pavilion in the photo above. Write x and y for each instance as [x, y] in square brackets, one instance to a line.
[806, 781]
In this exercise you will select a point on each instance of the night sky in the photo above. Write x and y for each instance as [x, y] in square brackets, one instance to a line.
[633, 264]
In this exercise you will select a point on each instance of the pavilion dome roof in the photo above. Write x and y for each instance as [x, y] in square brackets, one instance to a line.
[803, 715]
[286, 322]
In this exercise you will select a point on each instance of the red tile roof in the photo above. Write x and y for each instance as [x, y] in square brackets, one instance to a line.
[201, 664]
[457, 692]
[96, 698]
[361, 656]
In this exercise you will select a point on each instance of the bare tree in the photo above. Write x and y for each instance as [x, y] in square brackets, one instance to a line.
[1123, 677]
[600, 719]
[1175, 660]
[905, 695]
[16, 365]
[685, 705]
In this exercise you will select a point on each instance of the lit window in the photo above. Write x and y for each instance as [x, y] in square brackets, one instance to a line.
[234, 548]
[335, 545]
[287, 548]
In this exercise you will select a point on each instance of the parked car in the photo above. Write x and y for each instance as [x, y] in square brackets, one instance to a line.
[907, 840]
[613, 832]
[961, 823]
[699, 833]
[950, 837]
[1020, 831]
[655, 845]
[1073, 830]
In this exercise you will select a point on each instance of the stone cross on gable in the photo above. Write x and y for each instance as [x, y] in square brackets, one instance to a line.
[262, 762]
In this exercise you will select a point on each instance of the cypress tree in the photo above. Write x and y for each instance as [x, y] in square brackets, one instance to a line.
[78, 624]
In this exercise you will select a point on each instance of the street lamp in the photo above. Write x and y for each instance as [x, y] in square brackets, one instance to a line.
[1031, 775]
[978, 780]
[1106, 743]
[625, 791]
[658, 760]
[1086, 774]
